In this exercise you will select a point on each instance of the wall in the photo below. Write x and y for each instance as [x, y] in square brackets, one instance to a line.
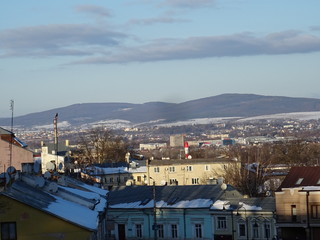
[33, 224]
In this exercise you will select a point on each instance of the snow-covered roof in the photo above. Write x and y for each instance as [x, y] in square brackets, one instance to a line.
[192, 196]
[75, 202]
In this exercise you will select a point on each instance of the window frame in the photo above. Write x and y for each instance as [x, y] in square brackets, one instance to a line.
[198, 230]
[221, 222]
[138, 230]
[174, 231]
[7, 230]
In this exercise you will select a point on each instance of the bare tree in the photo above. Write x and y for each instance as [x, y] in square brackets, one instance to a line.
[100, 145]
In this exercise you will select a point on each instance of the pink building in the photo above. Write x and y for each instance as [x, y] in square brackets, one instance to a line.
[13, 151]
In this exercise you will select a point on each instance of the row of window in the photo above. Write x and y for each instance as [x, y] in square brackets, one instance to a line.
[242, 228]
[165, 231]
[259, 230]
[173, 169]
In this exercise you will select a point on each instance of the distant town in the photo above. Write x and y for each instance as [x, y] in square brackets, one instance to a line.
[253, 179]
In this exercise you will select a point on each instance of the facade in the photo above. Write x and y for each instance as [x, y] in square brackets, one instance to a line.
[13, 152]
[186, 171]
[127, 174]
[35, 208]
[176, 140]
[298, 204]
[188, 212]
[55, 159]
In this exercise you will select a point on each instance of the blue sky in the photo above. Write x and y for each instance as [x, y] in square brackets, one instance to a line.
[57, 53]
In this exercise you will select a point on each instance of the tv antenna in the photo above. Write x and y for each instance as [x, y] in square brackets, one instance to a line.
[11, 140]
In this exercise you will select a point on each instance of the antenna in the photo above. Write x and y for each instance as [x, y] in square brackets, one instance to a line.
[55, 127]
[11, 140]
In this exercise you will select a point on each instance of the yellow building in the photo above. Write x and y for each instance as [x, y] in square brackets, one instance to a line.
[186, 171]
[32, 208]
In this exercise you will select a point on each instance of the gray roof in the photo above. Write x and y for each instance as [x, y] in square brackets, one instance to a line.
[170, 194]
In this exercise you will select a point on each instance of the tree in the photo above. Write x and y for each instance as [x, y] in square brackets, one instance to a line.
[101, 145]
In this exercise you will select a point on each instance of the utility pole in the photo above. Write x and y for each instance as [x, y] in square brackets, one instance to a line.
[155, 226]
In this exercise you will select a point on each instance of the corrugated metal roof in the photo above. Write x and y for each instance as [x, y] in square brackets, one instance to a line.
[301, 176]
[170, 194]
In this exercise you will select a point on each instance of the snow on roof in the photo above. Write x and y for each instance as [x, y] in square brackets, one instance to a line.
[196, 203]
[111, 170]
[74, 213]
[249, 207]
[219, 204]
[311, 188]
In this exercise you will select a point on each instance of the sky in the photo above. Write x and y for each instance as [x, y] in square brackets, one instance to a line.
[58, 53]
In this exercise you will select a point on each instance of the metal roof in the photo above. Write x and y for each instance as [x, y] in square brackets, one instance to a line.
[301, 176]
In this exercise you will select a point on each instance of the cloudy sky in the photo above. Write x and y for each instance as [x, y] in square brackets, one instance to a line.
[57, 53]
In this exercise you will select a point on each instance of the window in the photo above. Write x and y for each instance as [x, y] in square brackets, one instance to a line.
[172, 169]
[267, 232]
[174, 231]
[139, 178]
[315, 211]
[255, 230]
[189, 168]
[195, 181]
[111, 180]
[138, 230]
[156, 169]
[8, 231]
[242, 230]
[173, 181]
[198, 230]
[221, 223]
[207, 168]
[293, 213]
[160, 231]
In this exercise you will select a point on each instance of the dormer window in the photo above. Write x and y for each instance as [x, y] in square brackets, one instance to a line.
[299, 181]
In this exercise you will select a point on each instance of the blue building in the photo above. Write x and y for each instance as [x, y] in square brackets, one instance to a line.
[188, 212]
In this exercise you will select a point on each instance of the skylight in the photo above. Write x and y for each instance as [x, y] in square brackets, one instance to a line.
[299, 181]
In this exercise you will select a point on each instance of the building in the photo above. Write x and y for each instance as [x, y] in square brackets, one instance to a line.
[177, 140]
[186, 171]
[55, 158]
[188, 212]
[13, 151]
[298, 204]
[33, 207]
[117, 174]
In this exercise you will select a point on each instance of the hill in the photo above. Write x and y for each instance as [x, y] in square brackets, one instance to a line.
[225, 105]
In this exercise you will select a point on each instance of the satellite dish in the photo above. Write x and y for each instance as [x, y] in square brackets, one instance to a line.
[11, 170]
[47, 175]
[129, 183]
[223, 186]
[36, 167]
[50, 166]
[40, 182]
[53, 187]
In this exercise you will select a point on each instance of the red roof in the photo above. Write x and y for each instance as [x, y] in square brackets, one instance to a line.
[301, 177]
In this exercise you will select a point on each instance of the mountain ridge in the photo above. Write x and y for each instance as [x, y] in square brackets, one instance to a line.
[224, 105]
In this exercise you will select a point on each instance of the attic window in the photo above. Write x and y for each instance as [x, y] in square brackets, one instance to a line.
[299, 181]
